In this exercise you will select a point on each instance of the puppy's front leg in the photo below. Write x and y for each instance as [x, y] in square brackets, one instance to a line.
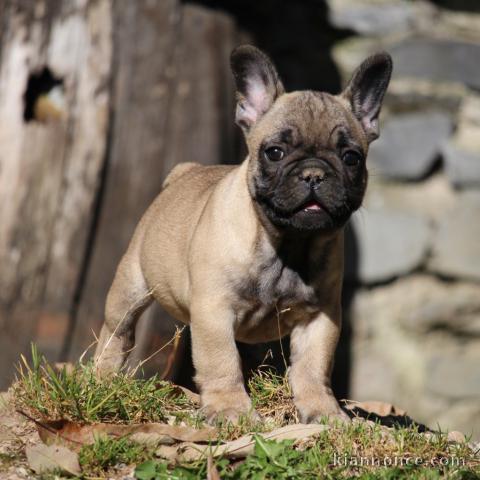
[312, 350]
[217, 362]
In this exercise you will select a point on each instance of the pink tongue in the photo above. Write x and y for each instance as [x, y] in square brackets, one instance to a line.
[313, 206]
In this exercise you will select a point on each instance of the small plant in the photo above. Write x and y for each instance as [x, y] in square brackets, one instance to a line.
[272, 397]
[106, 453]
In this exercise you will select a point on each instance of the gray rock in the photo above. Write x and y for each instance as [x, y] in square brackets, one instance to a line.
[454, 375]
[434, 305]
[348, 54]
[371, 378]
[430, 198]
[399, 331]
[376, 19]
[462, 415]
[421, 304]
[383, 244]
[406, 94]
[409, 144]
[456, 247]
[438, 59]
[462, 167]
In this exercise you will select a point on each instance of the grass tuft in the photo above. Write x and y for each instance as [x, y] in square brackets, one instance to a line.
[78, 395]
[272, 397]
[106, 454]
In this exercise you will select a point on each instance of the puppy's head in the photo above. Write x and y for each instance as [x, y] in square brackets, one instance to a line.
[307, 149]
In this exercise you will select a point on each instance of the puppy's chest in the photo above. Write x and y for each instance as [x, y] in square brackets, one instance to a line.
[270, 297]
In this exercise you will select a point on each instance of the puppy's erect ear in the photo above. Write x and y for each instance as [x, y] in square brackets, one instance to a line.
[257, 84]
[366, 89]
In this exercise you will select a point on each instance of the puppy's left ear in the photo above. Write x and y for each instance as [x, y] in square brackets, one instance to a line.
[366, 90]
[257, 82]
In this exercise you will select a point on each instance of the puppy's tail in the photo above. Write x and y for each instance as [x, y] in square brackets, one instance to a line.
[178, 171]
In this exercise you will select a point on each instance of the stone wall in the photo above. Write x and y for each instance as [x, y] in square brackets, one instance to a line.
[415, 317]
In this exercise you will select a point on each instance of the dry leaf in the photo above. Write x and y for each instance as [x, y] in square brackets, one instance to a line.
[177, 391]
[168, 452]
[76, 435]
[378, 408]
[43, 458]
[239, 448]
[193, 397]
[212, 472]
[386, 414]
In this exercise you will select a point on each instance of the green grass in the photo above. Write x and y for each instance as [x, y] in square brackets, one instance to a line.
[106, 453]
[272, 397]
[77, 395]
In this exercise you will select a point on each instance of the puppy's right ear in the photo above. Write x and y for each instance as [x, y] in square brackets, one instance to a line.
[257, 82]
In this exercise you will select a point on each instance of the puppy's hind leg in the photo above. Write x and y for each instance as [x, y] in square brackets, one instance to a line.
[127, 299]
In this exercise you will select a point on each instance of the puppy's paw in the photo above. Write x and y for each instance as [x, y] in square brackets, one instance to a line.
[231, 415]
[226, 407]
[315, 409]
[109, 356]
[106, 369]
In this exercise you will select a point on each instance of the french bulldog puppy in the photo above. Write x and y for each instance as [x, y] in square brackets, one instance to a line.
[254, 252]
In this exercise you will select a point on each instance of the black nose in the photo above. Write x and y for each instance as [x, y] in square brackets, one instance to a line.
[313, 176]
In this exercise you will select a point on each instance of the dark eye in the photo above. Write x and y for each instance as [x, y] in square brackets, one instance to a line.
[274, 154]
[352, 158]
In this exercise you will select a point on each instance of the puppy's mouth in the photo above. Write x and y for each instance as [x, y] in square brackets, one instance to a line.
[311, 214]
[311, 206]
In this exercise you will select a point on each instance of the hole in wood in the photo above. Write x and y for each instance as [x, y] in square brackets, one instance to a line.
[44, 97]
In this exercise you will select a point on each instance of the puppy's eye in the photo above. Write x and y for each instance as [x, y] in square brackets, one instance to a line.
[352, 158]
[274, 154]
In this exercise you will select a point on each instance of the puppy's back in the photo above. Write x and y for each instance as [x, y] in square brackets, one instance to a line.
[163, 236]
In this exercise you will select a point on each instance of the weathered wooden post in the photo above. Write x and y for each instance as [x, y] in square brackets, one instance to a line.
[54, 101]
[98, 100]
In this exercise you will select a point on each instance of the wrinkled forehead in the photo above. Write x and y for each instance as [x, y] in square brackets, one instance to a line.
[309, 116]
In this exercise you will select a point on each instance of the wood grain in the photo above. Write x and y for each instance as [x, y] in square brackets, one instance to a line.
[49, 170]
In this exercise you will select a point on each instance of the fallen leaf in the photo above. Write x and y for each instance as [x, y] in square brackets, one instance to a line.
[384, 413]
[168, 452]
[44, 458]
[178, 391]
[76, 435]
[193, 397]
[212, 472]
[239, 448]
[373, 406]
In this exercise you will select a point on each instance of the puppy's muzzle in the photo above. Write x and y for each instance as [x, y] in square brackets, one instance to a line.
[312, 176]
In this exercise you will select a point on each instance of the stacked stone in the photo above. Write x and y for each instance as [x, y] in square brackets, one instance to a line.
[415, 248]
